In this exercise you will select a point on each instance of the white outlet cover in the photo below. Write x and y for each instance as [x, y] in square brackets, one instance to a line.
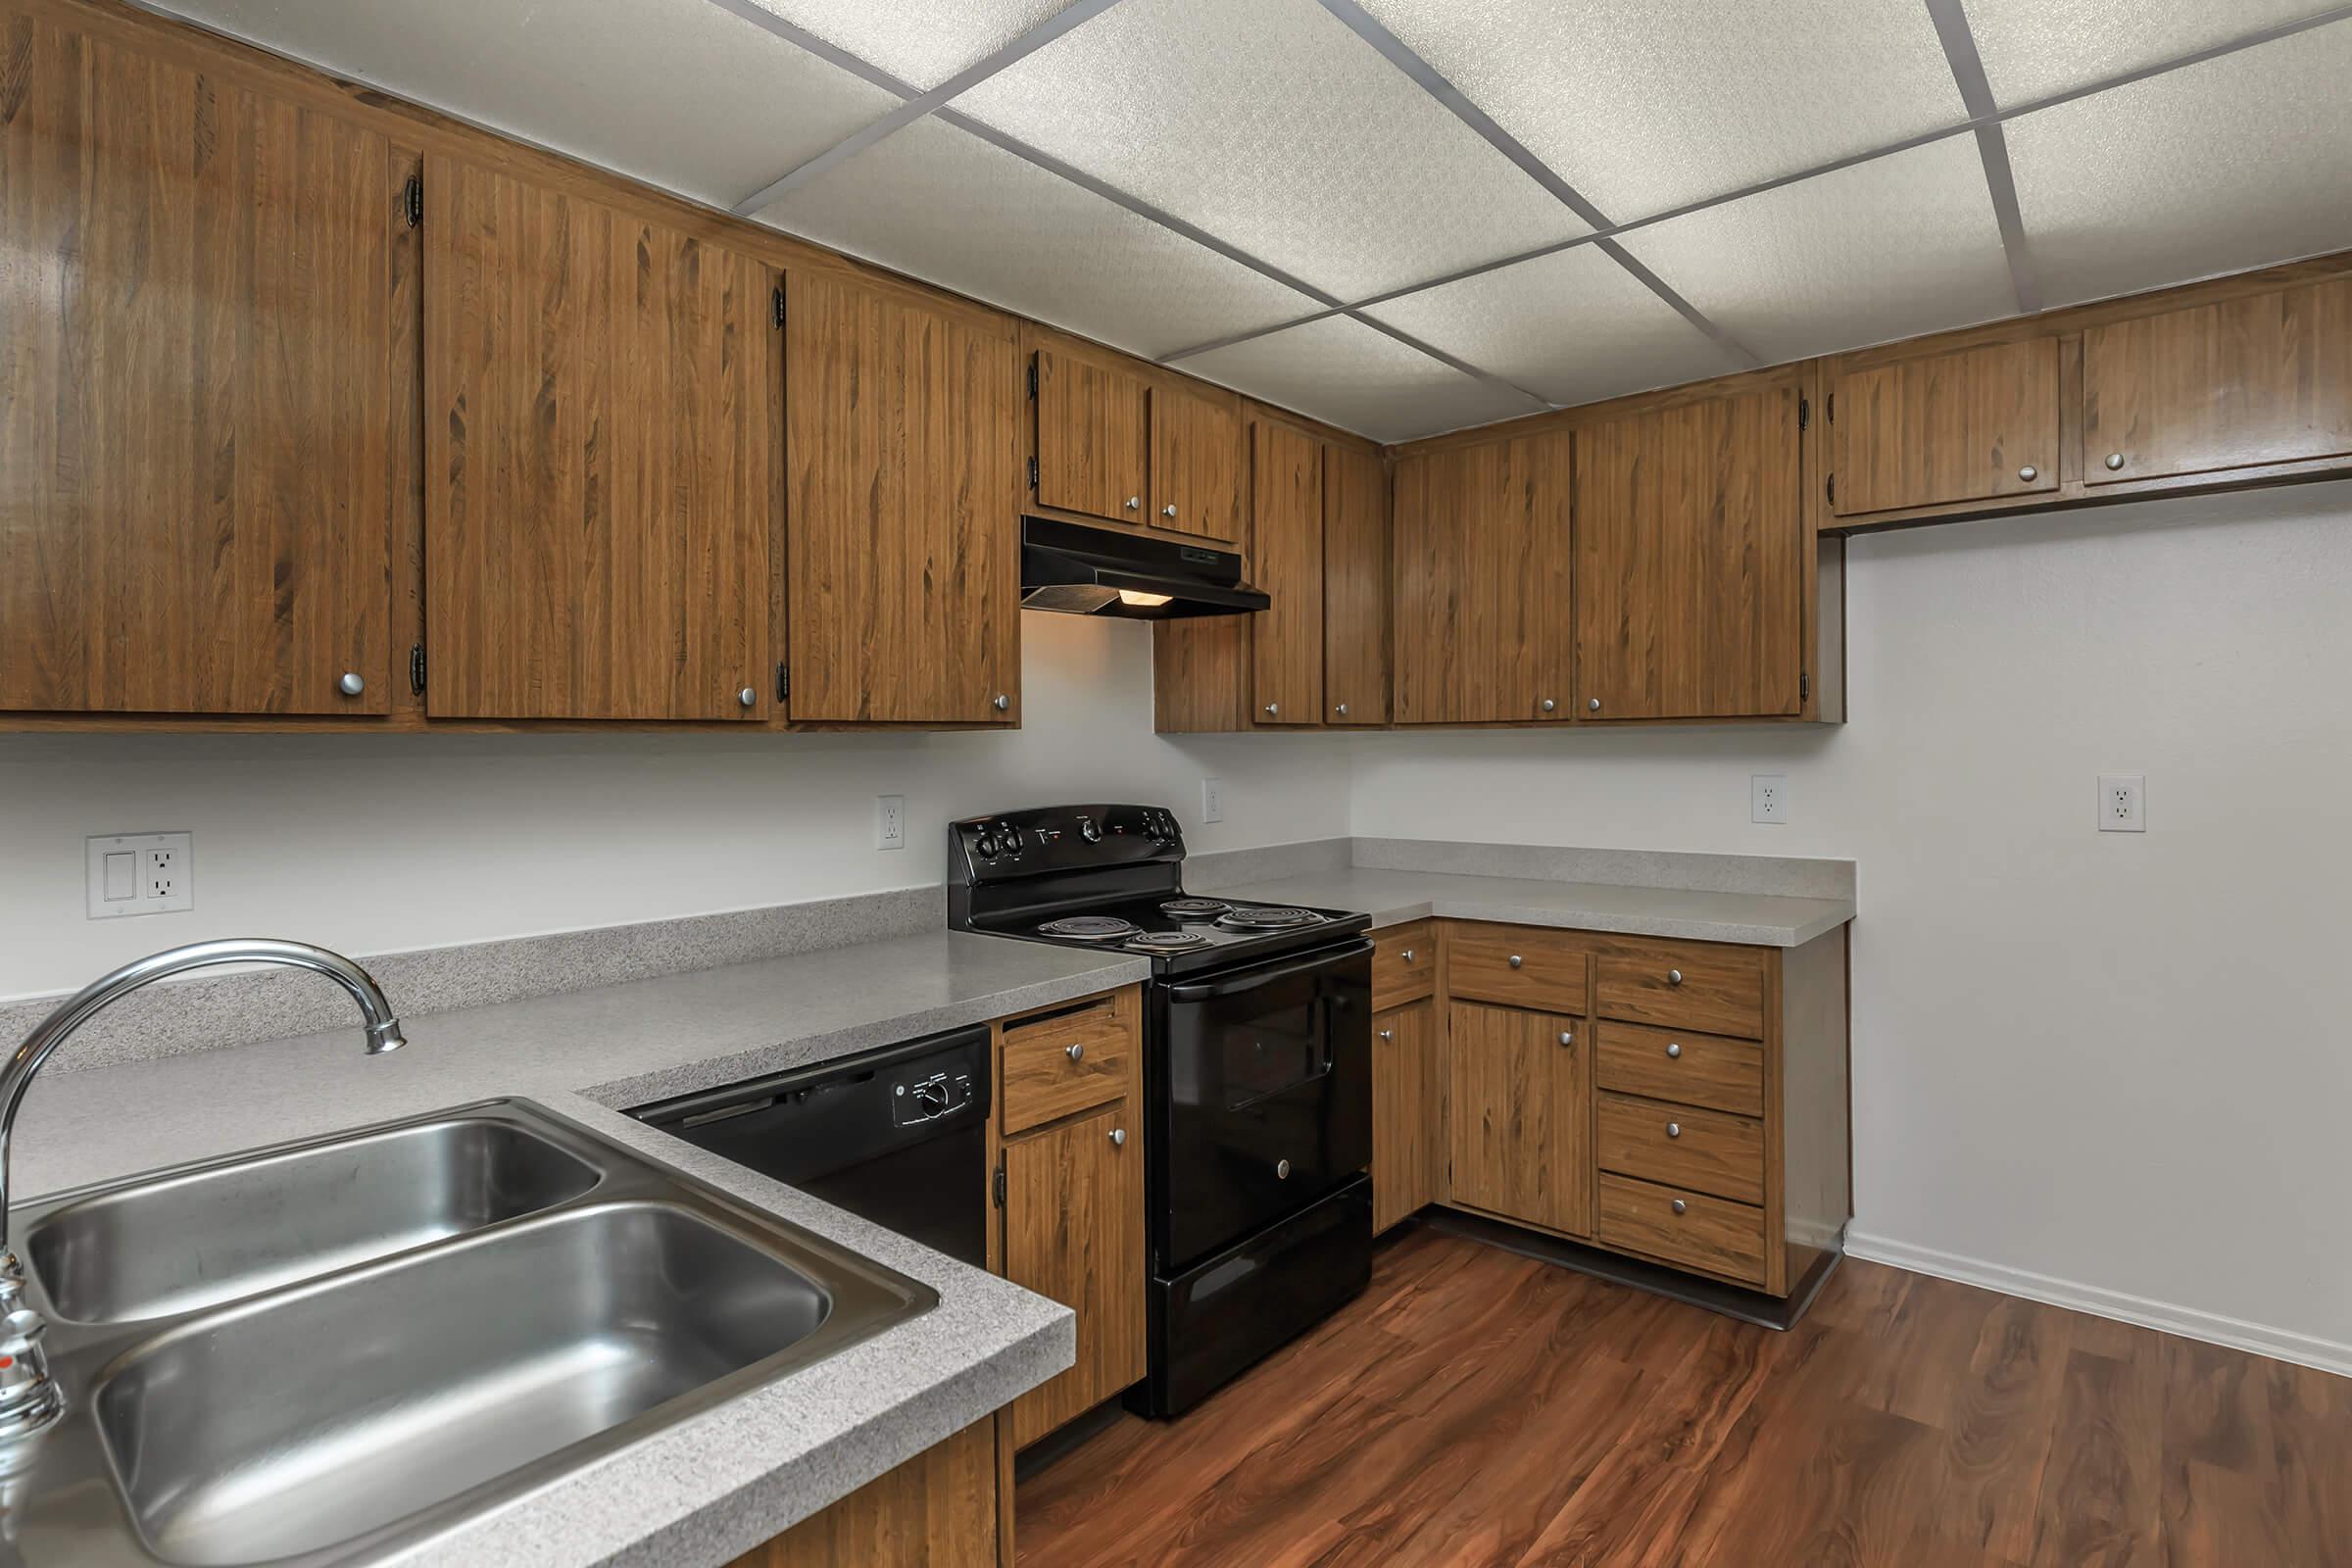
[890, 822]
[1213, 800]
[2123, 803]
[1768, 798]
[140, 873]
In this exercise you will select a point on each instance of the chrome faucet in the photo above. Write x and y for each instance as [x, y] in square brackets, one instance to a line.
[28, 1400]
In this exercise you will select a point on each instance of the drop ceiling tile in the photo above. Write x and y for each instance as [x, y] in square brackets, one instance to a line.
[2235, 163]
[1643, 107]
[2033, 48]
[679, 93]
[1575, 328]
[1271, 126]
[1887, 249]
[954, 208]
[1359, 378]
[920, 41]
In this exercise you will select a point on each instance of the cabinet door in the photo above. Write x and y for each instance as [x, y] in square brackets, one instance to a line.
[197, 461]
[1074, 1233]
[1974, 425]
[1286, 488]
[2267, 378]
[1480, 551]
[1195, 462]
[1355, 587]
[902, 450]
[1520, 1115]
[1408, 1103]
[1092, 438]
[1690, 560]
[602, 459]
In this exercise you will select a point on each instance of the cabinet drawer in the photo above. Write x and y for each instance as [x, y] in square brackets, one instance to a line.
[1690, 1069]
[1521, 966]
[1687, 1228]
[1681, 1146]
[1715, 990]
[1066, 1063]
[1405, 964]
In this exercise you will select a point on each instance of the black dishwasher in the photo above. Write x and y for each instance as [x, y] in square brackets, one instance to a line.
[897, 1136]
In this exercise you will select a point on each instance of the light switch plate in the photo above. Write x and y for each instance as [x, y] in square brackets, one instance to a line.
[2123, 803]
[140, 873]
[1768, 798]
[890, 822]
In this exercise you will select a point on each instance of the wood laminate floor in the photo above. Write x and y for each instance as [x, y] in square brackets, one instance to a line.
[1478, 1407]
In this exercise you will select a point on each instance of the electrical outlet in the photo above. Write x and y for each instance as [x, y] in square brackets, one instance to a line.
[890, 822]
[1213, 800]
[1768, 798]
[2123, 803]
[140, 873]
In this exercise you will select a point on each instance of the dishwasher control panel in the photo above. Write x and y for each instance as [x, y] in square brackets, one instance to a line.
[919, 1099]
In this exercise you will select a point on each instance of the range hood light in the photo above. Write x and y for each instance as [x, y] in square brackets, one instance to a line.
[1140, 600]
[1082, 571]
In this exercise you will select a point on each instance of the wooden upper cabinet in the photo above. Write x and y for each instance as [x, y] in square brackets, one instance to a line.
[1093, 438]
[1970, 424]
[1481, 551]
[903, 443]
[601, 460]
[1196, 462]
[1355, 587]
[2240, 383]
[1286, 655]
[1690, 560]
[197, 463]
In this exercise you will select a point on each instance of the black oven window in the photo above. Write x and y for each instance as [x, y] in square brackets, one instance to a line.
[1272, 1050]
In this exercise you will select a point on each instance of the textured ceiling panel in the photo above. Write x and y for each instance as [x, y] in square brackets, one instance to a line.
[675, 92]
[949, 207]
[1890, 248]
[920, 41]
[2232, 164]
[1643, 107]
[1576, 327]
[1270, 124]
[1351, 376]
[2033, 48]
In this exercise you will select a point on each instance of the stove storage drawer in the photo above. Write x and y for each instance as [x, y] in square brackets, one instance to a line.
[1405, 964]
[1680, 1146]
[1517, 966]
[1063, 1063]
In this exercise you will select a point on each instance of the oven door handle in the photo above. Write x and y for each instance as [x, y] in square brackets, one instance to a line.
[1213, 990]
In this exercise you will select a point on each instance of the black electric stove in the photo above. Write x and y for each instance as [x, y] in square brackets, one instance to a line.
[1257, 1075]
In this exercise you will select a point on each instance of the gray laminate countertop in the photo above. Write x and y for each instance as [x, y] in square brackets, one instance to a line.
[1760, 919]
[722, 1480]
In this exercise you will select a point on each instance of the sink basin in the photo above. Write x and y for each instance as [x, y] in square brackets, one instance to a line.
[330, 1352]
[221, 1234]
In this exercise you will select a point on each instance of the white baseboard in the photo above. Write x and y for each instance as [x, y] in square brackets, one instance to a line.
[2284, 1344]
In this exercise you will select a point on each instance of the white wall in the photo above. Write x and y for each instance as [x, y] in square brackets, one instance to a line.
[2122, 1061]
[371, 844]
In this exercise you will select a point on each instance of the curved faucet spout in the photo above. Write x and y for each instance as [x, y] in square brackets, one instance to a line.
[28, 1401]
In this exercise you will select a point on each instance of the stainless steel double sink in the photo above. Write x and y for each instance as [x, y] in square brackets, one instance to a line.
[330, 1351]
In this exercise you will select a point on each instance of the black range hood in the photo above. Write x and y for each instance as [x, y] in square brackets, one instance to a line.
[1079, 570]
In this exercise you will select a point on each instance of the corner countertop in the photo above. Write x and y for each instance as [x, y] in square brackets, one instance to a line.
[725, 1480]
[1761, 919]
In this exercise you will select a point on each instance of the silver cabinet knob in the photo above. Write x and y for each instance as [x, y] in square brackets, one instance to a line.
[1406, 954]
[1272, 709]
[1388, 1033]
[1077, 1050]
[1515, 960]
[1595, 705]
[1000, 701]
[1340, 708]
[747, 697]
[1674, 1048]
[1118, 1138]
[1135, 503]
[1567, 1037]
[1168, 510]
[1681, 1207]
[1674, 977]
[2029, 474]
[1547, 705]
[351, 685]
[1282, 1170]
[2115, 460]
[1674, 1129]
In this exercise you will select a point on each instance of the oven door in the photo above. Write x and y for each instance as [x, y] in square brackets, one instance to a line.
[1261, 1096]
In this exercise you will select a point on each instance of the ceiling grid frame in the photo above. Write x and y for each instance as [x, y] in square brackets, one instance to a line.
[1993, 147]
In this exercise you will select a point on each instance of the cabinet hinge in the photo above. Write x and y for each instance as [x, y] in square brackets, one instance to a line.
[416, 668]
[1832, 489]
[1804, 687]
[1032, 474]
[1804, 413]
[783, 681]
[779, 306]
[996, 1186]
[1033, 378]
[412, 200]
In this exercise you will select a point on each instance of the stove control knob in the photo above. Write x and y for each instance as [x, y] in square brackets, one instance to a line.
[987, 846]
[1009, 838]
[1090, 830]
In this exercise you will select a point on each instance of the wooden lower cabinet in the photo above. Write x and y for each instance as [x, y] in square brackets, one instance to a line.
[1520, 1115]
[937, 1510]
[1408, 1109]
